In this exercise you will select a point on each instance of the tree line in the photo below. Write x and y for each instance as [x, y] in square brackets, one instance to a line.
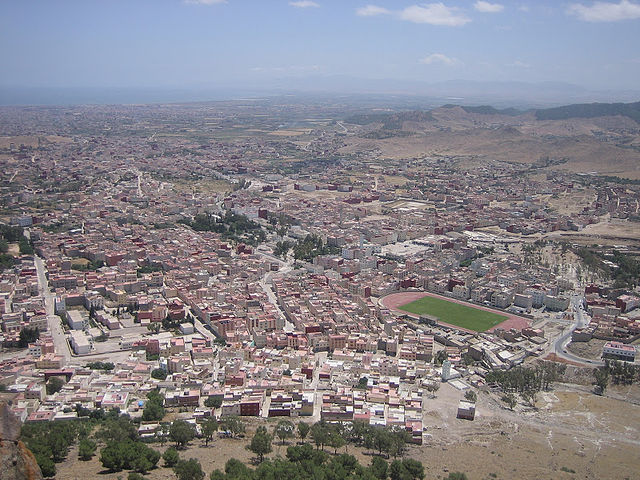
[526, 381]
[231, 226]
[620, 373]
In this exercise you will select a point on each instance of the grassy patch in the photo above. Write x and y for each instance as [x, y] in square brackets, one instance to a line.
[454, 313]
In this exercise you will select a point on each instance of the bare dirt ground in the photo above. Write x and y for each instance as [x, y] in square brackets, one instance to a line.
[520, 139]
[591, 349]
[31, 140]
[570, 430]
[606, 232]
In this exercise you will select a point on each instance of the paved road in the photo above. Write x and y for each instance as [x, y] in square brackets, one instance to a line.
[265, 283]
[559, 346]
[55, 327]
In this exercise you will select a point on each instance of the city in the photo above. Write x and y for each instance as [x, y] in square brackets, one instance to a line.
[236, 284]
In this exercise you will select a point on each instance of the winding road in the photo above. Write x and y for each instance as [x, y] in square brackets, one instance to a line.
[560, 344]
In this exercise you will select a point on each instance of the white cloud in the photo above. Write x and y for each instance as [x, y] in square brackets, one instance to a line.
[439, 58]
[486, 7]
[519, 64]
[288, 69]
[371, 11]
[605, 11]
[434, 14]
[205, 2]
[304, 4]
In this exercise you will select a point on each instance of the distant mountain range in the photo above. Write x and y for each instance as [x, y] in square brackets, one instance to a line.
[393, 121]
[590, 110]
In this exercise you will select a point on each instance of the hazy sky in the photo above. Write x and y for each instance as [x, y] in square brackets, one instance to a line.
[183, 43]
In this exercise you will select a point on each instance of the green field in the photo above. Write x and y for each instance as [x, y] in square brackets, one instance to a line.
[454, 313]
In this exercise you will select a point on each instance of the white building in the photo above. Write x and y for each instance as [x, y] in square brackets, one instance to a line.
[186, 328]
[80, 342]
[619, 351]
[76, 320]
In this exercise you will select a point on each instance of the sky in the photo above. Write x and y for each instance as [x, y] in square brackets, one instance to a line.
[217, 43]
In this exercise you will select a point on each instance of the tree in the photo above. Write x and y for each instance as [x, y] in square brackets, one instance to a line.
[232, 424]
[189, 470]
[142, 464]
[209, 427]
[27, 336]
[529, 396]
[362, 383]
[300, 453]
[217, 475]
[260, 443]
[335, 440]
[116, 428]
[379, 468]
[236, 470]
[153, 410]
[135, 476]
[510, 399]
[601, 378]
[382, 440]
[111, 457]
[471, 396]
[86, 449]
[170, 457]
[414, 468]
[432, 387]
[25, 247]
[213, 402]
[457, 476]
[101, 365]
[440, 357]
[303, 430]
[159, 373]
[320, 434]
[181, 432]
[285, 429]
[154, 327]
[358, 431]
[399, 439]
[163, 433]
[407, 469]
[54, 385]
[47, 466]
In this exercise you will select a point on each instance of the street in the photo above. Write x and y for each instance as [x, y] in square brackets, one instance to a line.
[560, 344]
[55, 327]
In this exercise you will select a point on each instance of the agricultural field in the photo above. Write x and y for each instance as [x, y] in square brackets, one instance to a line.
[455, 314]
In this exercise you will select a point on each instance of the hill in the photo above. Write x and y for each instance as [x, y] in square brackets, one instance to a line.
[590, 110]
[598, 137]
[391, 121]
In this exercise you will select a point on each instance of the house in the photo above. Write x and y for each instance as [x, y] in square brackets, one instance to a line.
[466, 410]
[619, 351]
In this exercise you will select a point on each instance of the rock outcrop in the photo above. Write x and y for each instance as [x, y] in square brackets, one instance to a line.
[16, 460]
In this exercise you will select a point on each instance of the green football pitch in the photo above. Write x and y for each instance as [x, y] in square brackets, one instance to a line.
[454, 313]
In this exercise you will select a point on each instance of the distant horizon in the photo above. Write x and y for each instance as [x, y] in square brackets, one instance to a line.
[498, 93]
[322, 45]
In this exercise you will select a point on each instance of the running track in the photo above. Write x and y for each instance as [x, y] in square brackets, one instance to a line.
[396, 300]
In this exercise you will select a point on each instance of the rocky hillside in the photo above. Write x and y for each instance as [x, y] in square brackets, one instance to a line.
[16, 461]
